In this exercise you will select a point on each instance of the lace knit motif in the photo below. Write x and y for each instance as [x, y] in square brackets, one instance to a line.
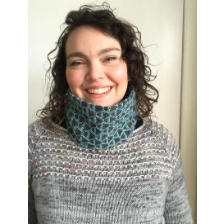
[128, 183]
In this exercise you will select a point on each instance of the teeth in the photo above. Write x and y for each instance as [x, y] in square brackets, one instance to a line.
[98, 91]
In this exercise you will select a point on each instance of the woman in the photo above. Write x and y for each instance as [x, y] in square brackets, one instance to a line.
[95, 156]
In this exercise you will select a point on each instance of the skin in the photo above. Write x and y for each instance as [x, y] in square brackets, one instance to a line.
[93, 61]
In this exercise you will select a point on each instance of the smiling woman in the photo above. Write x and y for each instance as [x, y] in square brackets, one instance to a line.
[96, 155]
[95, 70]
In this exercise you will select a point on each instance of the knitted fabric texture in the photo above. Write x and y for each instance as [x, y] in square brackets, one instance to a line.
[138, 181]
[101, 127]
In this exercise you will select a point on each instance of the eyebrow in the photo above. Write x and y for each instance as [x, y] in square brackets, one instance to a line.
[102, 51]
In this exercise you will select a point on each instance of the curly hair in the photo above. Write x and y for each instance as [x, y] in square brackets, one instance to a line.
[101, 18]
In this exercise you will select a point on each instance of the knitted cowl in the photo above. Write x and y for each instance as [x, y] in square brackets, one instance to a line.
[101, 127]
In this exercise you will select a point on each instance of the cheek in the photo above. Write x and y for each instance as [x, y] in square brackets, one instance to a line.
[120, 73]
[74, 79]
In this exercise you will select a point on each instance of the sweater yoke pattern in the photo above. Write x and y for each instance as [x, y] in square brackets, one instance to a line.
[136, 159]
[128, 183]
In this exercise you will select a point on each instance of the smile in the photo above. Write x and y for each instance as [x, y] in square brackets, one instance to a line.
[98, 91]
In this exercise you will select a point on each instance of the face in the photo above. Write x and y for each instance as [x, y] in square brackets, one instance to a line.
[95, 71]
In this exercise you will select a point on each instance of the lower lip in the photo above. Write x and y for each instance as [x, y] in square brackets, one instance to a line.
[99, 95]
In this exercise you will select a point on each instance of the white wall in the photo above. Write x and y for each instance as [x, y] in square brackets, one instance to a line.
[160, 23]
[188, 131]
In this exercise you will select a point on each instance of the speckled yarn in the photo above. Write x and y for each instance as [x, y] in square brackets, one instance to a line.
[138, 181]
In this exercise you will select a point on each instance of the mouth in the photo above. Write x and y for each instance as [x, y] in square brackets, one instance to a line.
[99, 91]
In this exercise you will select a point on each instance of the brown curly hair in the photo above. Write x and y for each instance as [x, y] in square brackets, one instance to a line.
[102, 18]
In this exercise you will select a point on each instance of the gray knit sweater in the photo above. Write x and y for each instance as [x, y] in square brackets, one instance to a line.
[138, 181]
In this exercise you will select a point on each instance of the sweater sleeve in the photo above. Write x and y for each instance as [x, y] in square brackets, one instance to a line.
[177, 207]
[32, 216]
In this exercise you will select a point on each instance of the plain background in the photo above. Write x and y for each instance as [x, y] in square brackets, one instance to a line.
[168, 29]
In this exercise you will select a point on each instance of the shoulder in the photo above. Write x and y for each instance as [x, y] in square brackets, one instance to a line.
[45, 130]
[34, 124]
[44, 126]
[160, 138]
[36, 128]
[155, 129]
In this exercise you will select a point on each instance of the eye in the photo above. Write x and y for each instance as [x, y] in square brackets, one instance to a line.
[111, 58]
[76, 63]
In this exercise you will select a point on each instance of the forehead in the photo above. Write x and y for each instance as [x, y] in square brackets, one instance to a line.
[89, 40]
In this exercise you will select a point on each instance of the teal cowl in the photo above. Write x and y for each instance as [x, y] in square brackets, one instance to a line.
[101, 127]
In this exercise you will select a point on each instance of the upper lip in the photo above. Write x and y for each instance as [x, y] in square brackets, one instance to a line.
[98, 87]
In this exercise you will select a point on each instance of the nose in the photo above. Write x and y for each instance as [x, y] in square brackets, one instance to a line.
[94, 72]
